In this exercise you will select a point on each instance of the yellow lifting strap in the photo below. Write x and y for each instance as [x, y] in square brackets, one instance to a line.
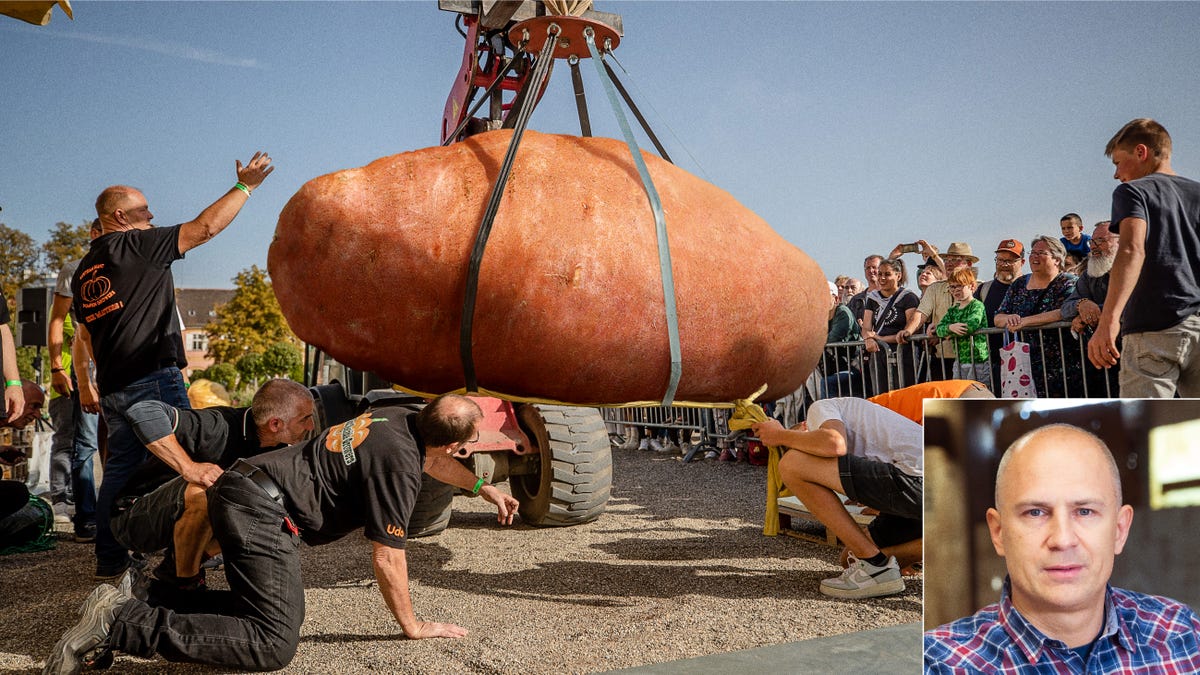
[747, 413]
[482, 391]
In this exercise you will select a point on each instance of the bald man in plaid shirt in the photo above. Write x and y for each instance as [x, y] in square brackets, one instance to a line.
[1059, 524]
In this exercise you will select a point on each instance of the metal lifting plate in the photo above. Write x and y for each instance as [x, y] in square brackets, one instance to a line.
[570, 35]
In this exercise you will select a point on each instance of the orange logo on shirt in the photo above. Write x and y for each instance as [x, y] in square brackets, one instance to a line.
[345, 437]
[395, 530]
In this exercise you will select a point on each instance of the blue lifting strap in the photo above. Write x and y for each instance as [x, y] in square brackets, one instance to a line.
[660, 225]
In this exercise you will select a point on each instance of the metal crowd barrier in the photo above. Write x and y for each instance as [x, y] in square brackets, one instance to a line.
[697, 429]
[1060, 364]
[846, 369]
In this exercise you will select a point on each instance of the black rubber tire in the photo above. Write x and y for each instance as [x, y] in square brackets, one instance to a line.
[431, 514]
[575, 477]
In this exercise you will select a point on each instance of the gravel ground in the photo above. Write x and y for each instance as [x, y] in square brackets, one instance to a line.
[676, 568]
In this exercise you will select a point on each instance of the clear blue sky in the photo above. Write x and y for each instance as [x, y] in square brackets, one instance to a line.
[850, 127]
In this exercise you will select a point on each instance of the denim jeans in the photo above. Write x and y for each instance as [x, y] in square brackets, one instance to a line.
[126, 453]
[62, 446]
[71, 454]
[253, 626]
[83, 480]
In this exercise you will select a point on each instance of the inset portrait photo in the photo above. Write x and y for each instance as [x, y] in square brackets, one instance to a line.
[1060, 536]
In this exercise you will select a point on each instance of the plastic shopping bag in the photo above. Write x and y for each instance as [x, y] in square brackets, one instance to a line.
[1016, 371]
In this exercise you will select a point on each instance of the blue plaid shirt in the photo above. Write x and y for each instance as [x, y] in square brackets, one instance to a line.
[1141, 634]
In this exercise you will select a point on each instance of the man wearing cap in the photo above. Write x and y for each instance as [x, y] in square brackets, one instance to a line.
[928, 273]
[1086, 302]
[934, 303]
[1010, 261]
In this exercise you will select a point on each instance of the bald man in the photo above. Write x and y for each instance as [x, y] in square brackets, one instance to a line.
[127, 322]
[363, 474]
[1059, 523]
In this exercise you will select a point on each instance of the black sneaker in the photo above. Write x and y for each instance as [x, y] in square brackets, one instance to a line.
[86, 534]
[111, 572]
[83, 643]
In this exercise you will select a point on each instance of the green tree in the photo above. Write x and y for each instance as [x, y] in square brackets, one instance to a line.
[223, 374]
[250, 322]
[282, 359]
[66, 243]
[250, 368]
[18, 263]
[18, 267]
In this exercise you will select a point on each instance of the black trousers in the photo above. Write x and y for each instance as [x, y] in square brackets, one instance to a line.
[253, 626]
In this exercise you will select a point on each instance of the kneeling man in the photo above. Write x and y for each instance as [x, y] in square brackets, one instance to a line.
[365, 473]
[872, 455]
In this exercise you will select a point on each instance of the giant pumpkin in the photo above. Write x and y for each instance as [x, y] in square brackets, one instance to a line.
[370, 265]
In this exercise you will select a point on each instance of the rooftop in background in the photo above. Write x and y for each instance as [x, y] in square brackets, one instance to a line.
[198, 305]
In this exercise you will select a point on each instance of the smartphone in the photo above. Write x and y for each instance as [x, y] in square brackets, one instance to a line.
[909, 248]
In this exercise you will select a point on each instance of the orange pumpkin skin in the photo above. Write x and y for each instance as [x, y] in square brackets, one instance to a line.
[370, 265]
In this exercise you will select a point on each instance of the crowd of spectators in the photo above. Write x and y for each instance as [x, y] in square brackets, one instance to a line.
[953, 325]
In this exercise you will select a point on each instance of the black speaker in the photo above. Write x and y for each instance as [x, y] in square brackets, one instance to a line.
[33, 315]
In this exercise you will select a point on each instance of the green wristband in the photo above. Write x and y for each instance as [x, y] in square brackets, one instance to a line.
[478, 485]
[17, 383]
[243, 187]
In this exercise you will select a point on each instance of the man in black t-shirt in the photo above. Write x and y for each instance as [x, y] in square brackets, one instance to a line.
[1153, 297]
[365, 473]
[163, 504]
[127, 321]
[14, 399]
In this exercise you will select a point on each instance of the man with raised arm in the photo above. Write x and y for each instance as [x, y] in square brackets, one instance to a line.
[127, 321]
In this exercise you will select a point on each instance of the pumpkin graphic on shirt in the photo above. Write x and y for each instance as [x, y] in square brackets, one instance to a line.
[345, 437]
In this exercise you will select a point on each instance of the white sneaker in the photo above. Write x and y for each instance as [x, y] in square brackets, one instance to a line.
[62, 513]
[645, 444]
[864, 580]
[656, 446]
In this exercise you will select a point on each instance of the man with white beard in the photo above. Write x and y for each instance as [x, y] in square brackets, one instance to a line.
[1083, 307]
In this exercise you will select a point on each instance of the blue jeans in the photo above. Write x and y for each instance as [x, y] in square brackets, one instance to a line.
[83, 478]
[255, 625]
[62, 445]
[126, 453]
[71, 454]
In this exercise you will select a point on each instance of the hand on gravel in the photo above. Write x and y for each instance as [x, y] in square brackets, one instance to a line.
[430, 629]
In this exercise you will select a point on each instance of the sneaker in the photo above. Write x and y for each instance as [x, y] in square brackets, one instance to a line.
[106, 573]
[864, 580]
[656, 446]
[62, 512]
[644, 444]
[83, 643]
[85, 534]
[711, 454]
[727, 456]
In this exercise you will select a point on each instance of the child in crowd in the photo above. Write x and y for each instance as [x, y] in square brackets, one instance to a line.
[963, 319]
